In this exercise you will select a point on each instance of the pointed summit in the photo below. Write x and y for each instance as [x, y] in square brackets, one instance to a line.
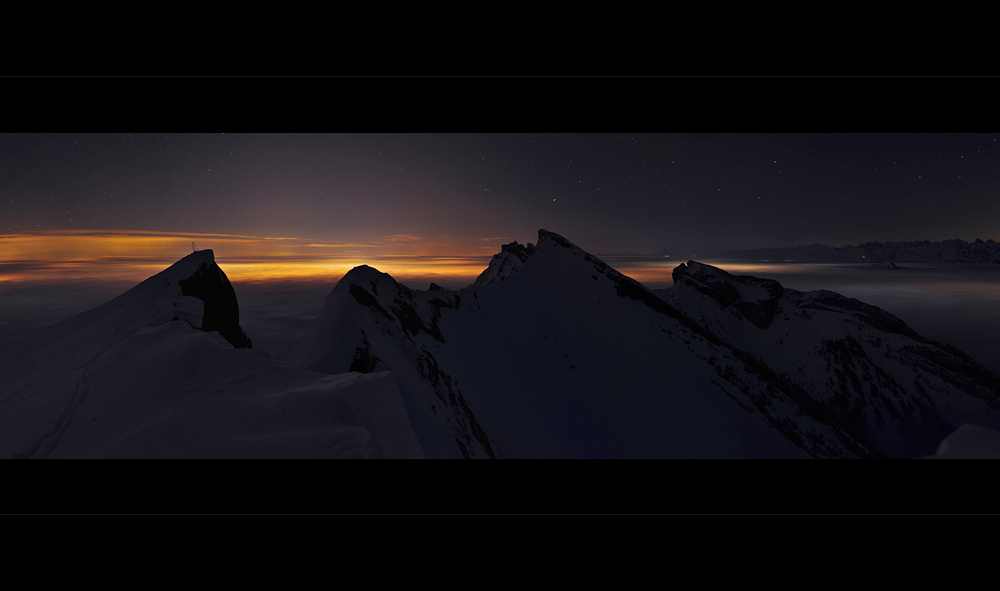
[197, 276]
[209, 284]
[505, 263]
[513, 256]
[144, 375]
[194, 289]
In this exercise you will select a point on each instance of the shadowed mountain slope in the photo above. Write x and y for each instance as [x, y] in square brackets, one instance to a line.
[552, 353]
[887, 384]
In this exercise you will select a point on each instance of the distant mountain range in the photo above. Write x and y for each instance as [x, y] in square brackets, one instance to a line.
[550, 353]
[948, 251]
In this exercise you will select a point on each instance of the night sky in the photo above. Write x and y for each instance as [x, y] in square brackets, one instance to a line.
[465, 194]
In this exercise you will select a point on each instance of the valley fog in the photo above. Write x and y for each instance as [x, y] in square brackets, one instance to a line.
[957, 305]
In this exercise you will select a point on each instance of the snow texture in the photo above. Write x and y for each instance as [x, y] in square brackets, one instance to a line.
[970, 442]
[886, 384]
[550, 353]
[141, 376]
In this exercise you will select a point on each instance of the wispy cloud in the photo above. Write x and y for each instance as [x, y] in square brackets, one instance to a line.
[493, 239]
[401, 238]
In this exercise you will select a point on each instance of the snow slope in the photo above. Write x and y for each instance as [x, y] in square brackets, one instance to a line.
[552, 353]
[969, 442]
[889, 385]
[164, 370]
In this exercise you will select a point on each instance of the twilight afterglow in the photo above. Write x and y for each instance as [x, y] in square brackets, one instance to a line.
[134, 255]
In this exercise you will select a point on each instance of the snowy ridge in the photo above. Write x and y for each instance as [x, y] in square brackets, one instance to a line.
[371, 323]
[143, 376]
[505, 263]
[887, 384]
[566, 357]
[753, 298]
[552, 354]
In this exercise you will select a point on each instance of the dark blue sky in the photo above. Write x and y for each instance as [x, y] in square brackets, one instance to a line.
[762, 178]
[612, 192]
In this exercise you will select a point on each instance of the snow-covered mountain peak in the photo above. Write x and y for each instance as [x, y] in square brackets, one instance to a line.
[194, 260]
[194, 289]
[545, 237]
[890, 386]
[752, 297]
[370, 278]
[505, 263]
[749, 287]
[136, 378]
[512, 257]
[167, 282]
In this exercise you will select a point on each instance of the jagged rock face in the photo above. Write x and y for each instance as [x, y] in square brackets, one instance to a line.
[193, 290]
[505, 263]
[370, 323]
[560, 355]
[222, 312]
[887, 384]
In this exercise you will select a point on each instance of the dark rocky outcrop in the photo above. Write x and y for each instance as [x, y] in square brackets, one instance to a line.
[222, 312]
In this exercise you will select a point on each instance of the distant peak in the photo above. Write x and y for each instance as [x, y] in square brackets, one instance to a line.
[519, 250]
[694, 269]
[366, 273]
[754, 298]
[363, 269]
[505, 263]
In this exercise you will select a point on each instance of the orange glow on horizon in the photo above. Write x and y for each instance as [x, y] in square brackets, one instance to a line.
[101, 243]
[133, 256]
[137, 255]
